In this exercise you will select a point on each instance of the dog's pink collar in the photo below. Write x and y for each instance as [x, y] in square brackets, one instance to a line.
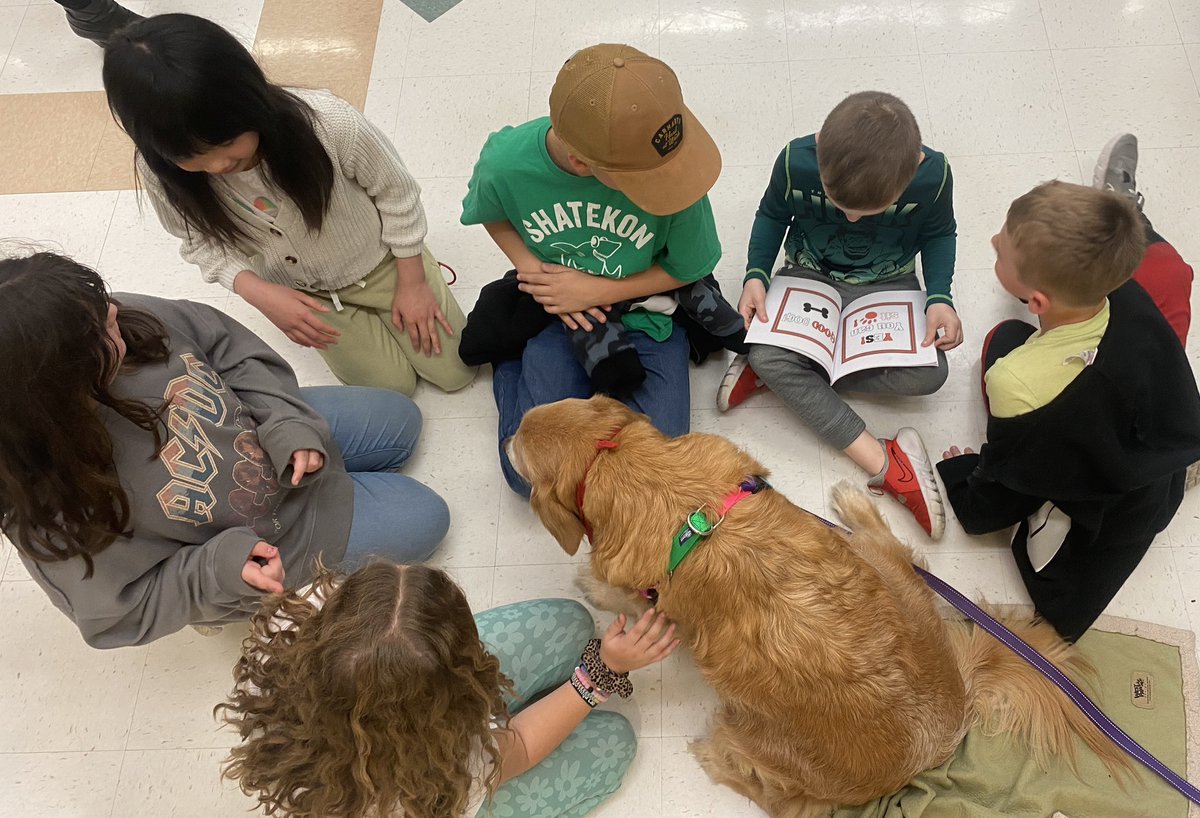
[694, 531]
[751, 485]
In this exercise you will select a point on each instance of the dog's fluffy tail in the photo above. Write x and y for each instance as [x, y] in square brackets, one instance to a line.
[1005, 694]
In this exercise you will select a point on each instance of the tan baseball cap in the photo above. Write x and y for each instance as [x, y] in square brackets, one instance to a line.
[622, 111]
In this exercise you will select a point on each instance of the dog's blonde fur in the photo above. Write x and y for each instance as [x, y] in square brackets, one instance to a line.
[838, 679]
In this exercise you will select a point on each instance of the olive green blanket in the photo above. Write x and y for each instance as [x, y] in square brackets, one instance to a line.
[1147, 683]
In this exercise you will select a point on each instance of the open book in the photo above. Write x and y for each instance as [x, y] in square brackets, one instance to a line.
[875, 330]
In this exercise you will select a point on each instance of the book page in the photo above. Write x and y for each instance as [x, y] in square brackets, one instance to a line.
[802, 316]
[883, 329]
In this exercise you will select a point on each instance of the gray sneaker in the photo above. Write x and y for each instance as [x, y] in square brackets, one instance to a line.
[207, 630]
[1116, 169]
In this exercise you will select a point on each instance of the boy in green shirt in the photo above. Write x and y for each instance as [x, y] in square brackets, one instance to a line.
[603, 202]
[857, 201]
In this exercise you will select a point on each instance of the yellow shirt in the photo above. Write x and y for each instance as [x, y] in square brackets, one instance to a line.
[1037, 372]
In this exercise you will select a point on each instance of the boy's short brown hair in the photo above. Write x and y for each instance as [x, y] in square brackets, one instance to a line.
[1075, 243]
[868, 150]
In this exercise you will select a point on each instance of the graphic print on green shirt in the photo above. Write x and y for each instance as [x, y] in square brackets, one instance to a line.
[819, 237]
[578, 222]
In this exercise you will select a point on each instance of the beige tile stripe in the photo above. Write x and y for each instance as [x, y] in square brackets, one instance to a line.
[320, 44]
[66, 142]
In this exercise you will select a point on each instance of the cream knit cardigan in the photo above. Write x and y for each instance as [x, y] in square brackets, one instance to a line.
[375, 207]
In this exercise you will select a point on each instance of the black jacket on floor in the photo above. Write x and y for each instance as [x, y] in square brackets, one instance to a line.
[504, 320]
[1110, 452]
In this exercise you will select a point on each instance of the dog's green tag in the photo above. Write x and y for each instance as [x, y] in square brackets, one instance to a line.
[695, 529]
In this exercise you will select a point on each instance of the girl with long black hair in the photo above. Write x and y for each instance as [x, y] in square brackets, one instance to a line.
[290, 198]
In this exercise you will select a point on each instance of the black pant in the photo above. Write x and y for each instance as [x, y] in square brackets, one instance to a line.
[1096, 556]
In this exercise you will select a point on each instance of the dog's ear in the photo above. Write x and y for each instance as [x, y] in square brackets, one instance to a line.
[559, 520]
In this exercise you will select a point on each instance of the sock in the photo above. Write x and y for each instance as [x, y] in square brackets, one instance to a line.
[877, 480]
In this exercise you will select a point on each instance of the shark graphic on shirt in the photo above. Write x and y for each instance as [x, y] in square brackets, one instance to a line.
[602, 250]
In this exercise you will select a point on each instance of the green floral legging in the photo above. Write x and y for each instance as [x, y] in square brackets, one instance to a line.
[538, 644]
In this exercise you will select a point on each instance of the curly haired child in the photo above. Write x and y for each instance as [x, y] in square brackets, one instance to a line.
[379, 694]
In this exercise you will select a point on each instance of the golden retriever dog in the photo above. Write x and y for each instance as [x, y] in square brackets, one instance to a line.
[838, 680]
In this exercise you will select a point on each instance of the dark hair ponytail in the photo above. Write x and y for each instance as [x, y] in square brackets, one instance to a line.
[180, 84]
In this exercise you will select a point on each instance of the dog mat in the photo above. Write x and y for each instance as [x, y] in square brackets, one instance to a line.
[1147, 684]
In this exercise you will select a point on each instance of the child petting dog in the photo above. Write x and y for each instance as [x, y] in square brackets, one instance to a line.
[1093, 415]
[853, 205]
[379, 694]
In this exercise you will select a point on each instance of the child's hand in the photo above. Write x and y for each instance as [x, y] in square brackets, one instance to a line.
[415, 310]
[753, 301]
[562, 289]
[263, 569]
[295, 313]
[578, 320]
[305, 461]
[954, 451]
[650, 640]
[943, 317]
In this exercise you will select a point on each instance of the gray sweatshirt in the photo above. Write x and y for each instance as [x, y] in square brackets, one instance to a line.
[221, 483]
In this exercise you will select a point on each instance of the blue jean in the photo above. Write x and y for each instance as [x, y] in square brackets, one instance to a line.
[549, 371]
[376, 430]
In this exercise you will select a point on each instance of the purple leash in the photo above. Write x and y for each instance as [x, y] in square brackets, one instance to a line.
[1019, 646]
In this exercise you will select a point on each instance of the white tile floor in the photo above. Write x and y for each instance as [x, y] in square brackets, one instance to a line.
[1015, 92]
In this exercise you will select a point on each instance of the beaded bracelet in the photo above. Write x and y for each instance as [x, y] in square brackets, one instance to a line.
[582, 675]
[589, 694]
[602, 676]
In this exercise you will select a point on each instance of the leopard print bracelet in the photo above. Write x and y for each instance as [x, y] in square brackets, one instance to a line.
[602, 677]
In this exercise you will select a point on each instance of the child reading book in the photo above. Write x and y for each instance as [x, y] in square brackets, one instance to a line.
[877, 330]
[857, 202]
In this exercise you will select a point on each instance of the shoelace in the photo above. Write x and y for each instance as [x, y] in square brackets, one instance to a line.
[1133, 193]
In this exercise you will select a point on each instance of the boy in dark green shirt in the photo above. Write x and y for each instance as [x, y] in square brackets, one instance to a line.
[856, 202]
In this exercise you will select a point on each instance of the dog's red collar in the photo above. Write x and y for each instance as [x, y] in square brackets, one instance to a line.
[601, 445]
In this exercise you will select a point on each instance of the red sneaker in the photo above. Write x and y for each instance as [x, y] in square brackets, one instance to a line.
[739, 383]
[909, 478]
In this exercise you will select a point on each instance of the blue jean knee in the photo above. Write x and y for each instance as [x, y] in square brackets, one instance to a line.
[396, 518]
[665, 395]
[374, 429]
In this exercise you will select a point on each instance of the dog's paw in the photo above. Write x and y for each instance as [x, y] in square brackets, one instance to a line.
[610, 598]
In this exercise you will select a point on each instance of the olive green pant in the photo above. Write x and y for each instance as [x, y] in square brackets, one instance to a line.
[372, 351]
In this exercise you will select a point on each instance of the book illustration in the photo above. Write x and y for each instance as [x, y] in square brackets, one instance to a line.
[878, 329]
[793, 316]
[872, 331]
